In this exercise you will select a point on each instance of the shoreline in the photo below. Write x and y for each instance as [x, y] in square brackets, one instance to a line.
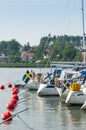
[22, 65]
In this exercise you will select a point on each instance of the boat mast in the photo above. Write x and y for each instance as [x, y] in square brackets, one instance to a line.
[83, 40]
[83, 26]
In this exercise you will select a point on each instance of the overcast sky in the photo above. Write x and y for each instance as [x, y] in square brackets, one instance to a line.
[30, 20]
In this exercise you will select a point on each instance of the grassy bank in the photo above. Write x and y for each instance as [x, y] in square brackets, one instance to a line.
[21, 65]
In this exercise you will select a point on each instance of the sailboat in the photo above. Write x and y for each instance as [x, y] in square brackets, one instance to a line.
[79, 97]
[47, 86]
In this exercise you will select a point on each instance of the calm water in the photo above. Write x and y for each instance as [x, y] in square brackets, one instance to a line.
[44, 113]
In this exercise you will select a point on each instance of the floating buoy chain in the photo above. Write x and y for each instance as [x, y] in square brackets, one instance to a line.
[11, 116]
[12, 103]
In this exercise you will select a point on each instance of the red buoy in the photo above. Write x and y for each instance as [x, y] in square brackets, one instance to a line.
[6, 115]
[13, 100]
[10, 105]
[15, 91]
[9, 85]
[15, 96]
[14, 88]
[2, 87]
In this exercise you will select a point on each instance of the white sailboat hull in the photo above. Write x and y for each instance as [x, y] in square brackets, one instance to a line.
[47, 89]
[75, 97]
[84, 106]
[62, 94]
[34, 85]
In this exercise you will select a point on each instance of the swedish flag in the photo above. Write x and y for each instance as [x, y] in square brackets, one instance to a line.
[26, 77]
[65, 86]
[48, 76]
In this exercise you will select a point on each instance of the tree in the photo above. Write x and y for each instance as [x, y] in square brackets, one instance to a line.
[69, 53]
[27, 47]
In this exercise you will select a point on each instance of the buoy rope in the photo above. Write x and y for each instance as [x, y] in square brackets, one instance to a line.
[13, 115]
[25, 122]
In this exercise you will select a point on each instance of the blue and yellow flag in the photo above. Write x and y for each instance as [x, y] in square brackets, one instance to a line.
[65, 86]
[48, 76]
[26, 77]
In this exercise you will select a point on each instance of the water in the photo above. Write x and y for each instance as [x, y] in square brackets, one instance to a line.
[44, 113]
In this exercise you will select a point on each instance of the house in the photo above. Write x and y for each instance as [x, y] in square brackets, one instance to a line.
[27, 55]
[4, 59]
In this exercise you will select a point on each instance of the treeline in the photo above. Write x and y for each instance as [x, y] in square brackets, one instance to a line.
[56, 48]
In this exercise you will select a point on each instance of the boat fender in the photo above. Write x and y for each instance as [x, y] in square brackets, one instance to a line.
[75, 86]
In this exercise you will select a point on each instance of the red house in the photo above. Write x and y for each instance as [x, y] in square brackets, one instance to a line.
[27, 55]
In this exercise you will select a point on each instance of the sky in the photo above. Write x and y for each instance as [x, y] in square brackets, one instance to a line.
[30, 20]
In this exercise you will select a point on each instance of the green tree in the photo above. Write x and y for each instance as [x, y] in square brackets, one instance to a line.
[69, 53]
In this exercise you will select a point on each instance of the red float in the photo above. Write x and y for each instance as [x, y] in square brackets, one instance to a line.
[13, 100]
[6, 115]
[15, 96]
[2, 87]
[15, 90]
[10, 105]
[9, 85]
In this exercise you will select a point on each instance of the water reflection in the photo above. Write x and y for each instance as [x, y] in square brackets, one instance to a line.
[71, 116]
[44, 113]
[48, 111]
